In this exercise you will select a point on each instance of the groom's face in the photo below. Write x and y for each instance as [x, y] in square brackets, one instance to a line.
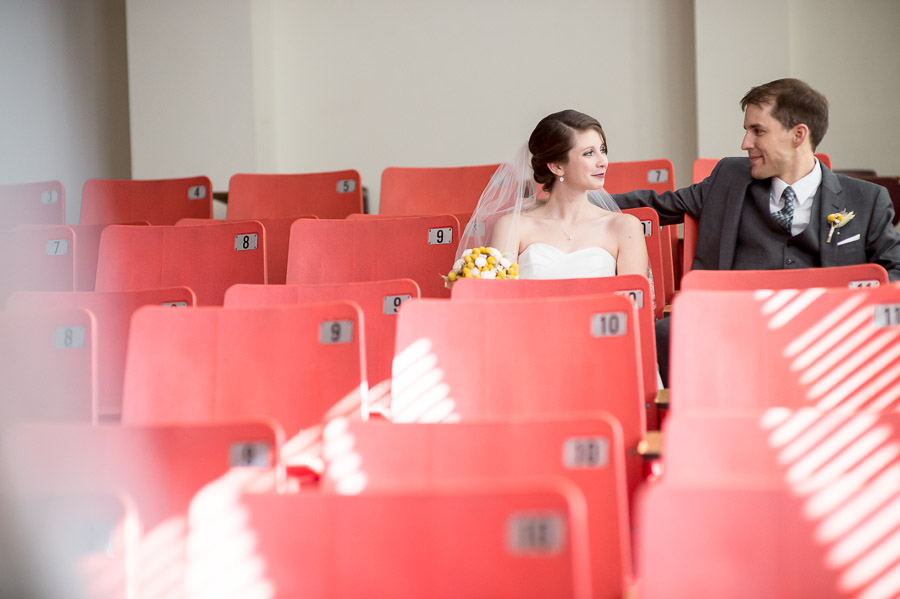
[768, 144]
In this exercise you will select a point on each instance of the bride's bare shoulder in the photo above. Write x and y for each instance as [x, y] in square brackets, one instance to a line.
[626, 224]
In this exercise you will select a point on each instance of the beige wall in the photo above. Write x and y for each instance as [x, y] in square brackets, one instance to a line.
[64, 98]
[850, 51]
[366, 85]
[191, 87]
[223, 86]
[372, 84]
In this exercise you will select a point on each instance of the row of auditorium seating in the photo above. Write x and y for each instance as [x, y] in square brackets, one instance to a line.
[209, 258]
[547, 521]
[485, 507]
[278, 200]
[404, 191]
[780, 434]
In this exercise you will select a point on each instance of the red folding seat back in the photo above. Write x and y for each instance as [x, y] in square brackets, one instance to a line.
[854, 275]
[363, 457]
[41, 203]
[278, 235]
[160, 467]
[726, 529]
[157, 201]
[208, 259]
[159, 471]
[356, 250]
[432, 190]
[490, 541]
[379, 301]
[702, 168]
[668, 251]
[112, 310]
[774, 503]
[88, 253]
[654, 240]
[817, 347]
[623, 176]
[462, 217]
[824, 159]
[295, 364]
[470, 359]
[689, 247]
[636, 287]
[37, 258]
[325, 195]
[48, 365]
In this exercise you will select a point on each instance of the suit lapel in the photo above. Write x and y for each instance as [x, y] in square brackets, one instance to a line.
[754, 191]
[829, 204]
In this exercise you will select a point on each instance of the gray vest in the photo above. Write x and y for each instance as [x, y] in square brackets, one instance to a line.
[763, 245]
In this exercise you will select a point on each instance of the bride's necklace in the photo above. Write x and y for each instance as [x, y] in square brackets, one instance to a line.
[569, 236]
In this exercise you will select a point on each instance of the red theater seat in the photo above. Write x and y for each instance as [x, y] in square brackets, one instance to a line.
[855, 275]
[472, 359]
[490, 541]
[112, 310]
[299, 365]
[325, 195]
[157, 201]
[815, 347]
[407, 191]
[156, 471]
[208, 259]
[635, 286]
[48, 365]
[42, 203]
[587, 450]
[351, 251]
[379, 301]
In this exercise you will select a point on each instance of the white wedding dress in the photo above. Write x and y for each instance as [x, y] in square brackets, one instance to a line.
[543, 261]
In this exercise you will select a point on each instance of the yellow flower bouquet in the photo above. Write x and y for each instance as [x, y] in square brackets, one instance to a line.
[481, 263]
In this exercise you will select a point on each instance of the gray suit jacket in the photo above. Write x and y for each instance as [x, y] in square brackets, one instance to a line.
[717, 201]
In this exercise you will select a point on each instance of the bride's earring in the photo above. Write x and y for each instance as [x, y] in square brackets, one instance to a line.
[561, 179]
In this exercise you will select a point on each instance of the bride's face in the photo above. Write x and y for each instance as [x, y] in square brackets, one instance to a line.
[586, 168]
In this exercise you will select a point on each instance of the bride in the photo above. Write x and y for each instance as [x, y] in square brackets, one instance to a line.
[574, 229]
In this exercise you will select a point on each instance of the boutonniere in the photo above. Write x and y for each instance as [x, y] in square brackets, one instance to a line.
[838, 220]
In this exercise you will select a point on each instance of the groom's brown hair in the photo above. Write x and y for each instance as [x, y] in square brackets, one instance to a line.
[793, 102]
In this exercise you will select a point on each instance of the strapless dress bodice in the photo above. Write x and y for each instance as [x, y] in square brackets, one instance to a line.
[543, 261]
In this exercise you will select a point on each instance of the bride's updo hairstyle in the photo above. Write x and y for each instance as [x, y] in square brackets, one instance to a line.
[552, 139]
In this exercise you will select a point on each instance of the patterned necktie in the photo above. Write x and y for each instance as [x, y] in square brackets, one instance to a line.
[784, 216]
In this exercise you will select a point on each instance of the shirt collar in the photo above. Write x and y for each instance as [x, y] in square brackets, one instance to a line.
[804, 188]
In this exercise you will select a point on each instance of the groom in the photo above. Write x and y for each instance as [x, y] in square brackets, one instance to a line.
[771, 211]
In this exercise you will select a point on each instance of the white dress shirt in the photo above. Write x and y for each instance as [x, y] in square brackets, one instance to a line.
[805, 190]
